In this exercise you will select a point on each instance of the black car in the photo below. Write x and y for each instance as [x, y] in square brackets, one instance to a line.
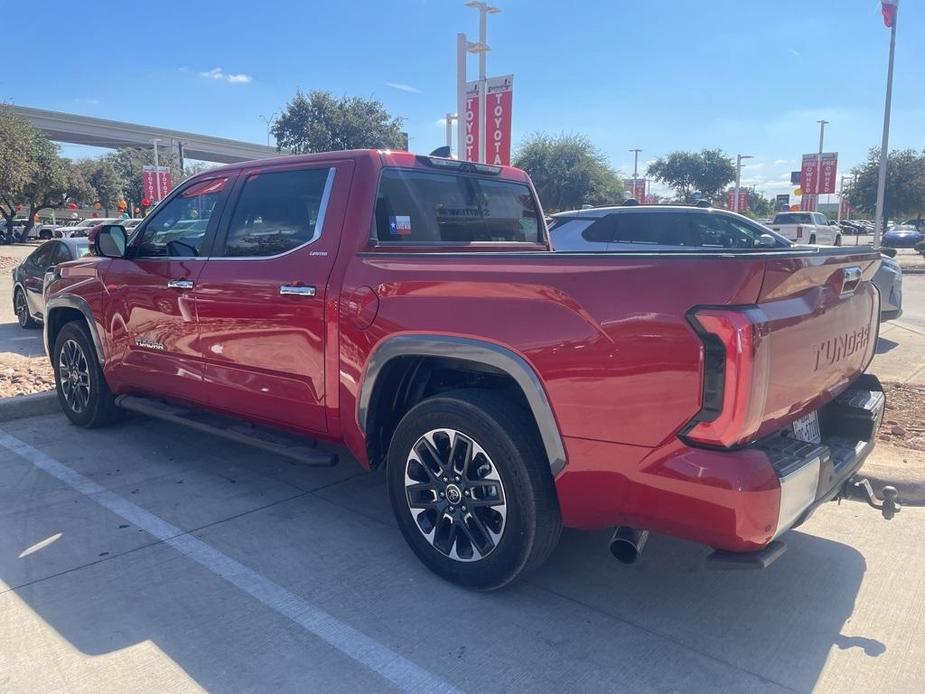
[29, 277]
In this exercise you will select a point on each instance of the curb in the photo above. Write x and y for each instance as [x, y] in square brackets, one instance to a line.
[33, 405]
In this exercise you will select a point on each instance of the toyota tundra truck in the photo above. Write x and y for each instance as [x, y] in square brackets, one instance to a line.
[410, 309]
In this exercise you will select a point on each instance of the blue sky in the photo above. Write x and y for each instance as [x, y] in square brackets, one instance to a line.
[749, 76]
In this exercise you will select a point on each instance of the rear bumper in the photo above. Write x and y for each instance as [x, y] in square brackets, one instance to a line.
[811, 474]
[738, 500]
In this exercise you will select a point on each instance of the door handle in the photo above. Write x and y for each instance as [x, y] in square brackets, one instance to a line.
[294, 290]
[180, 284]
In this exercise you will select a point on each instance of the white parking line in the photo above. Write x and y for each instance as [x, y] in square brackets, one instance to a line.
[366, 651]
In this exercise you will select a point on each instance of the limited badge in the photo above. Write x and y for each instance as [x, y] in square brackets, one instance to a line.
[400, 225]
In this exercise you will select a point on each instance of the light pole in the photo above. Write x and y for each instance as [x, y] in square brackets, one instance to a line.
[636, 170]
[464, 46]
[157, 172]
[450, 117]
[735, 197]
[484, 10]
[269, 121]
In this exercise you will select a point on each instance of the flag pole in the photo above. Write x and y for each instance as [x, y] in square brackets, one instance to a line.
[885, 143]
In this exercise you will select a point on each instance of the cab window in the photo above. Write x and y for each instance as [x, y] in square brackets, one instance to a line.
[178, 229]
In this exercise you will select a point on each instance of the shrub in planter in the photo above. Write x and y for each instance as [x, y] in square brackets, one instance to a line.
[920, 247]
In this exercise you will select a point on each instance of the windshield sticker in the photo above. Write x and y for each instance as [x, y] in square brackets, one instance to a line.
[400, 225]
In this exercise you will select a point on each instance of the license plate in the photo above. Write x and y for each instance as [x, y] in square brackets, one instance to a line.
[806, 428]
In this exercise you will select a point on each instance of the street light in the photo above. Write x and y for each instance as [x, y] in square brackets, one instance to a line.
[269, 121]
[484, 10]
[735, 199]
[636, 171]
[157, 171]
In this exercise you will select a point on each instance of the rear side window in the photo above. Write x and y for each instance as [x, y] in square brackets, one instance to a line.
[668, 229]
[277, 212]
[420, 207]
[794, 218]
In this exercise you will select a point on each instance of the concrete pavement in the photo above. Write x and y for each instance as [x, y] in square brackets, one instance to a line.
[158, 563]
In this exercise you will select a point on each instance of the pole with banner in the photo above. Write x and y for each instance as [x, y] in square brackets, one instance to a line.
[500, 100]
[472, 122]
[889, 8]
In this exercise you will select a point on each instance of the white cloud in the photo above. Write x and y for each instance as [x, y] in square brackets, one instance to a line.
[403, 87]
[218, 73]
[778, 162]
[86, 102]
[795, 52]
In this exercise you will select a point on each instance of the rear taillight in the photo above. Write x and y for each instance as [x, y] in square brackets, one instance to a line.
[799, 232]
[735, 376]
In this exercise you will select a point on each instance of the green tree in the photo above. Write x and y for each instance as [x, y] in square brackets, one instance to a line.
[708, 171]
[320, 122]
[759, 206]
[905, 184]
[104, 180]
[568, 172]
[32, 175]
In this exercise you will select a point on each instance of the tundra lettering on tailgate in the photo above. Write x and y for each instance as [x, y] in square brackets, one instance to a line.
[837, 348]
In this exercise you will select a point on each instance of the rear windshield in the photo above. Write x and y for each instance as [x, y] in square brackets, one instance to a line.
[421, 207]
[793, 218]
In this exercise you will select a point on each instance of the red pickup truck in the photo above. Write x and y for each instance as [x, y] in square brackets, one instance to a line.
[410, 308]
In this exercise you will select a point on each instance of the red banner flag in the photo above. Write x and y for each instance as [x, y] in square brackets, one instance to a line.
[471, 123]
[889, 7]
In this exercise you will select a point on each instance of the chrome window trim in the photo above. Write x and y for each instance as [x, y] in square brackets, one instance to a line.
[319, 223]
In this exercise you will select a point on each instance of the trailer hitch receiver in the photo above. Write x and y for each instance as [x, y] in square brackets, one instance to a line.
[888, 506]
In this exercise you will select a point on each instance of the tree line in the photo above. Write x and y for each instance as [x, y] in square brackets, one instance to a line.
[567, 169]
[35, 178]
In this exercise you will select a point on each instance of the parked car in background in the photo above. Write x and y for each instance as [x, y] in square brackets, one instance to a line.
[81, 229]
[917, 222]
[889, 282]
[902, 236]
[130, 224]
[807, 227]
[712, 393]
[660, 228]
[645, 227]
[29, 277]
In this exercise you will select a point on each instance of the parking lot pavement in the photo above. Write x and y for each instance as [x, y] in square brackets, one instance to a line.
[151, 557]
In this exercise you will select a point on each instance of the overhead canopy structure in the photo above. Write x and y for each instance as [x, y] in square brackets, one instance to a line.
[100, 132]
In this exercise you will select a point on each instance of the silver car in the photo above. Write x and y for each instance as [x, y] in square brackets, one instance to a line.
[672, 228]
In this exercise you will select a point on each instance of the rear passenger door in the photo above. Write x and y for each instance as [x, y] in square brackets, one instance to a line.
[261, 298]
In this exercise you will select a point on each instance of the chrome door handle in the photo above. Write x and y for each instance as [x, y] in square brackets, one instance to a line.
[294, 290]
[180, 284]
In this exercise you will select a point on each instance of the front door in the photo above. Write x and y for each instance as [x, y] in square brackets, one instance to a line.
[152, 315]
[261, 296]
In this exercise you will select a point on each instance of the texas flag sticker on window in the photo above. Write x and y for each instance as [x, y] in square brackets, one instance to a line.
[400, 225]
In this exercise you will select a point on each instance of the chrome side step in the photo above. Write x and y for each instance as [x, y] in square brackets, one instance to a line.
[295, 448]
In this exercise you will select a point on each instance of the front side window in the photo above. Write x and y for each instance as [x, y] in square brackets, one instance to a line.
[422, 207]
[720, 231]
[178, 229]
[277, 212]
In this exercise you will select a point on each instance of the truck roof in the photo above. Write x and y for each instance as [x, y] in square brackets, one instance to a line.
[379, 157]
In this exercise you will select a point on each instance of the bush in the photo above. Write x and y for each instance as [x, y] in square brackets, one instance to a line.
[889, 251]
[920, 247]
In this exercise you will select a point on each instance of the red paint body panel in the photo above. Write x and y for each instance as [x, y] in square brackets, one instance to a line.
[607, 335]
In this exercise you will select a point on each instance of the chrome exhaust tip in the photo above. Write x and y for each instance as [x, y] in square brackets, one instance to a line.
[627, 544]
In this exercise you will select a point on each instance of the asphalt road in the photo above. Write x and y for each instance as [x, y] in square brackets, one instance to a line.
[149, 557]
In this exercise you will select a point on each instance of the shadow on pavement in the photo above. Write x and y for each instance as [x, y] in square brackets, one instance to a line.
[27, 343]
[661, 623]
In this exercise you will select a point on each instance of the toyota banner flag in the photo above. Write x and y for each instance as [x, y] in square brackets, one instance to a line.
[499, 96]
[889, 7]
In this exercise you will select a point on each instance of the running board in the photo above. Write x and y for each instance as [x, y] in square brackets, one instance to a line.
[295, 448]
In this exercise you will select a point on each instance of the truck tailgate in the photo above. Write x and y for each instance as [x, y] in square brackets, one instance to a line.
[822, 318]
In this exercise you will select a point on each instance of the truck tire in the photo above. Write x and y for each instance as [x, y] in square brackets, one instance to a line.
[82, 390]
[838, 239]
[812, 239]
[471, 488]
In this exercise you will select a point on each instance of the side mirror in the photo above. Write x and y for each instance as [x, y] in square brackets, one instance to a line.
[110, 241]
[767, 241]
